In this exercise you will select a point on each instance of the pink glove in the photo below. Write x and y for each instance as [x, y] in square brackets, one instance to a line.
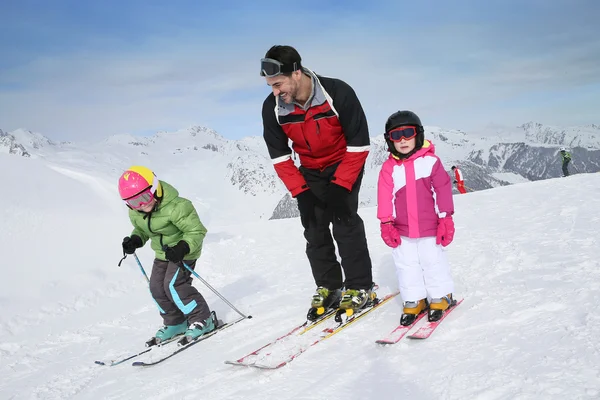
[445, 231]
[390, 235]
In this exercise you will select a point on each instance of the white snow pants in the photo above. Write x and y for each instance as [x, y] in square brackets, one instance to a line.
[422, 268]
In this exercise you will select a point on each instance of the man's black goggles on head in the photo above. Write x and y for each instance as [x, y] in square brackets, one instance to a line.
[270, 67]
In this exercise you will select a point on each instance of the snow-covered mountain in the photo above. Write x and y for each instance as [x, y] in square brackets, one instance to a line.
[10, 145]
[531, 151]
[234, 180]
[577, 136]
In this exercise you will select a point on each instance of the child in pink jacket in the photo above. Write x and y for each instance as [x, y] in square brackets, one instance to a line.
[415, 207]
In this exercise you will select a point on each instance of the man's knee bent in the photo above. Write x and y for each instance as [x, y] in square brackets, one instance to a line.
[318, 236]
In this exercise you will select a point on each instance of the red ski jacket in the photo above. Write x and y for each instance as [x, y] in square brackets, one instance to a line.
[332, 129]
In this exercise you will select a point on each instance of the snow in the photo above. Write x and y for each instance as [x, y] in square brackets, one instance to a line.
[524, 258]
[509, 177]
[210, 169]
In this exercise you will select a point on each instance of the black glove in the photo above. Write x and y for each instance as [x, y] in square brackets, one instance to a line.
[131, 243]
[176, 253]
[307, 201]
[454, 182]
[337, 201]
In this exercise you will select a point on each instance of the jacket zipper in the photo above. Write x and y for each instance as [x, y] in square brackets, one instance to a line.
[305, 139]
[307, 144]
[162, 246]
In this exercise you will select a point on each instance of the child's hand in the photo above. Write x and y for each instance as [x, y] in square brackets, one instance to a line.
[445, 231]
[176, 253]
[130, 244]
[390, 234]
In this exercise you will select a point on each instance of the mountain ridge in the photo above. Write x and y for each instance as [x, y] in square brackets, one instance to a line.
[217, 171]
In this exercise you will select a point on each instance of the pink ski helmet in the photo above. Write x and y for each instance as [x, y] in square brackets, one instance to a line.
[137, 180]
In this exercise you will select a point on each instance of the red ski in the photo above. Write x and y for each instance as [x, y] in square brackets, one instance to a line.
[250, 360]
[298, 330]
[398, 333]
[429, 327]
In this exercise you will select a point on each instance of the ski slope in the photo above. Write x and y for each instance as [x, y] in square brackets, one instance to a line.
[525, 258]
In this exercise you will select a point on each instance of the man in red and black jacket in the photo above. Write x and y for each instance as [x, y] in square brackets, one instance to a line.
[327, 126]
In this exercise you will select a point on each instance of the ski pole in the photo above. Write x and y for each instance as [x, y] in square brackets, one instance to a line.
[141, 268]
[138, 263]
[147, 279]
[215, 291]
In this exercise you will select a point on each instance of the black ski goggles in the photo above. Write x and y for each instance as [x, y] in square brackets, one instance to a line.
[402, 132]
[270, 67]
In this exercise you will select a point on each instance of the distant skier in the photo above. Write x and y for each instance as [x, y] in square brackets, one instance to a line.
[412, 185]
[176, 233]
[566, 159]
[459, 180]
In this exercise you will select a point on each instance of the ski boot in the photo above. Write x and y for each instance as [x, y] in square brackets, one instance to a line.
[167, 332]
[199, 328]
[354, 300]
[438, 306]
[411, 311]
[323, 300]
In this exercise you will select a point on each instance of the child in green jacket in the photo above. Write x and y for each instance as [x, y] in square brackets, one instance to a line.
[172, 225]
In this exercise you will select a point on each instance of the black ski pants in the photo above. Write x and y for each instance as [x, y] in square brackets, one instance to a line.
[349, 236]
[565, 167]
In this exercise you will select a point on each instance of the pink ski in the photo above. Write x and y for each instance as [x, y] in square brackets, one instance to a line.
[429, 327]
[397, 334]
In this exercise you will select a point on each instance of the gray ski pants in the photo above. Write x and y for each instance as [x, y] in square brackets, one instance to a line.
[171, 288]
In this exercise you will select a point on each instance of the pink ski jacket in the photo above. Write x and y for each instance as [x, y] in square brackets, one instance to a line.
[414, 193]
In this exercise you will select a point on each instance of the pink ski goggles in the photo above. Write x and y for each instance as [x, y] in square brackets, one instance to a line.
[141, 199]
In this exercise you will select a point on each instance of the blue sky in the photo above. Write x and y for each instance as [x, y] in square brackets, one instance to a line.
[78, 69]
